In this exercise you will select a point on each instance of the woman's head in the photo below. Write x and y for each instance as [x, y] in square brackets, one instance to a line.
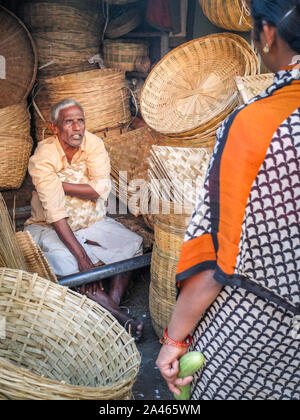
[276, 24]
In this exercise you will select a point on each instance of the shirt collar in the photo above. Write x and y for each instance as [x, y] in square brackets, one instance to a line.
[81, 148]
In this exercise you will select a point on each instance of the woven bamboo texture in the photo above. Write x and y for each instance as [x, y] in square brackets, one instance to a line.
[233, 15]
[86, 88]
[62, 46]
[61, 345]
[123, 24]
[19, 68]
[161, 310]
[15, 151]
[251, 86]
[34, 257]
[121, 2]
[129, 166]
[15, 119]
[123, 54]
[192, 89]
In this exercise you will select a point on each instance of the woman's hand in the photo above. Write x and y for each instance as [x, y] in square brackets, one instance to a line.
[168, 364]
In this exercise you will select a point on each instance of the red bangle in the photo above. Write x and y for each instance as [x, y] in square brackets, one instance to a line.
[167, 340]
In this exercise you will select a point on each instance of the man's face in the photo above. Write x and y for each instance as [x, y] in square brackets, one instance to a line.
[70, 127]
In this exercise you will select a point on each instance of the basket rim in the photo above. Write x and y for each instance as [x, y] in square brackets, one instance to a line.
[83, 75]
[225, 35]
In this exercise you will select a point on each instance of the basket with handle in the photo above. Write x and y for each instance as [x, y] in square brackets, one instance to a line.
[60, 345]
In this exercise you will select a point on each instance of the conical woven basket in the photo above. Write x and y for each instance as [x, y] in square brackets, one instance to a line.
[86, 88]
[60, 345]
[251, 86]
[193, 86]
[233, 15]
[18, 59]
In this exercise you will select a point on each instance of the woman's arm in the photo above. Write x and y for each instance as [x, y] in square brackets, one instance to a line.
[196, 295]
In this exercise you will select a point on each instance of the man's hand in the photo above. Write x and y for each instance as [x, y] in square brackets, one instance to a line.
[168, 364]
[83, 191]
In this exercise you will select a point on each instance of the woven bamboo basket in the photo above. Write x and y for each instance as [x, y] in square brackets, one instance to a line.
[251, 86]
[86, 88]
[18, 59]
[60, 345]
[123, 24]
[193, 85]
[233, 15]
[62, 46]
[161, 310]
[15, 151]
[122, 54]
[121, 2]
[15, 119]
[34, 257]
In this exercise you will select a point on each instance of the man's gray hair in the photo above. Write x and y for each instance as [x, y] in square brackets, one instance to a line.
[64, 104]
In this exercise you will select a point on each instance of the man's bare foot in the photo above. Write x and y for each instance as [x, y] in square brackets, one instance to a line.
[135, 328]
[118, 285]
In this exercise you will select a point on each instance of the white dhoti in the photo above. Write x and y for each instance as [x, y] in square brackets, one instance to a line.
[116, 243]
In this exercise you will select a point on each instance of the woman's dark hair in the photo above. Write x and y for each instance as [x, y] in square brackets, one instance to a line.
[284, 14]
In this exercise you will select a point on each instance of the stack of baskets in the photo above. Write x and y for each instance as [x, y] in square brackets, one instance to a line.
[176, 176]
[191, 90]
[59, 345]
[19, 67]
[66, 34]
[102, 93]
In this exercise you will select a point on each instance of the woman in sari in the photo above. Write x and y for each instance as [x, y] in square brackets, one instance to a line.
[238, 275]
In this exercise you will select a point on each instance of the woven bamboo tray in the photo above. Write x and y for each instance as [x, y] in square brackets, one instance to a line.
[251, 86]
[233, 15]
[86, 88]
[15, 151]
[122, 54]
[194, 84]
[19, 60]
[34, 257]
[123, 24]
[60, 345]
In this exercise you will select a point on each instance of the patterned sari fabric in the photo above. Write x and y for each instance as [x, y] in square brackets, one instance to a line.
[246, 227]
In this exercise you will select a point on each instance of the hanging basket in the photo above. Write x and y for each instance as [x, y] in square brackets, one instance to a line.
[192, 89]
[18, 59]
[122, 54]
[102, 93]
[60, 345]
[233, 15]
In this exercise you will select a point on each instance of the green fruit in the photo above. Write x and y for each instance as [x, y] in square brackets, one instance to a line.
[189, 363]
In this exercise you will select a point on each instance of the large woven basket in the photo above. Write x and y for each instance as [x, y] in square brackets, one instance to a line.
[60, 345]
[122, 54]
[251, 86]
[62, 46]
[192, 88]
[18, 59]
[15, 119]
[233, 15]
[102, 93]
[15, 151]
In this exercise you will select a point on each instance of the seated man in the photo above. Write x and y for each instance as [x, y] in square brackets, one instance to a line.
[71, 175]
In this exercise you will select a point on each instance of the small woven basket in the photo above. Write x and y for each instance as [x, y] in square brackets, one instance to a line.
[251, 86]
[122, 54]
[60, 345]
[15, 151]
[233, 15]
